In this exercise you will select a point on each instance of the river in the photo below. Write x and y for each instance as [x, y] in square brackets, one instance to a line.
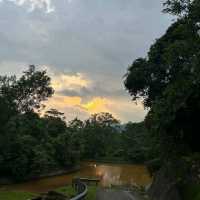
[110, 174]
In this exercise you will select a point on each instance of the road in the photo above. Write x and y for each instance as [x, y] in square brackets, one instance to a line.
[112, 194]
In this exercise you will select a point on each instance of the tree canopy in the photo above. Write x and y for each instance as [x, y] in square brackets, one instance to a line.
[168, 79]
[32, 144]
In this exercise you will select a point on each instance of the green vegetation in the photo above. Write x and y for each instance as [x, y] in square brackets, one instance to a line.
[10, 195]
[32, 144]
[191, 192]
[91, 193]
[69, 191]
[168, 83]
[127, 140]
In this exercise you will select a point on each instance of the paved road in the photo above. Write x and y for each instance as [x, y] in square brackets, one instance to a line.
[109, 194]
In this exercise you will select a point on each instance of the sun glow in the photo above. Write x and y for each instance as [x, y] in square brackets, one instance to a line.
[72, 97]
[97, 105]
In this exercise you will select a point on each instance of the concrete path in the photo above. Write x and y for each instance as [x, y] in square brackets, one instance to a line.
[109, 194]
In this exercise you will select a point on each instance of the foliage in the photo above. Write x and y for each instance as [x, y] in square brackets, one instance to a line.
[177, 7]
[183, 8]
[191, 192]
[99, 131]
[28, 91]
[134, 142]
[168, 81]
[31, 145]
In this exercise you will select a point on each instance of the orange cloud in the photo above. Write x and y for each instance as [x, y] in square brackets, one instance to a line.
[76, 106]
[60, 102]
[63, 81]
[97, 105]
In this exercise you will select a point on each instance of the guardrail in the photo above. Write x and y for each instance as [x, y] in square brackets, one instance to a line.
[81, 189]
[88, 181]
[80, 186]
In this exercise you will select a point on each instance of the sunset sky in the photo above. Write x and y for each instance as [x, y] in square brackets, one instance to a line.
[85, 46]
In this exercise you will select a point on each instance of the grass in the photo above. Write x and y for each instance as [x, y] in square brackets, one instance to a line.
[91, 193]
[10, 195]
[68, 191]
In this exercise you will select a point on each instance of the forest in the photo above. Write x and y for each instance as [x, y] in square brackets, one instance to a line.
[33, 144]
[167, 80]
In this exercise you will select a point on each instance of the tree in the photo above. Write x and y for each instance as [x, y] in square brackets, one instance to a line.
[31, 145]
[53, 113]
[54, 122]
[168, 59]
[28, 91]
[177, 7]
[135, 142]
[100, 129]
[7, 106]
[77, 137]
[76, 125]
[32, 88]
[184, 9]
[105, 119]
[168, 81]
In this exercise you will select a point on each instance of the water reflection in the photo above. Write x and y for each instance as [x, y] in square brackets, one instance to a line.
[110, 174]
[123, 175]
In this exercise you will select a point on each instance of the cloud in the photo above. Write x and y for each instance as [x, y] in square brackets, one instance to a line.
[77, 95]
[34, 4]
[69, 1]
[71, 82]
[71, 106]
[97, 105]
[94, 89]
[12, 68]
[76, 107]
[89, 44]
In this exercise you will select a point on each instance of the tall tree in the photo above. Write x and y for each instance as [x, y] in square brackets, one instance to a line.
[168, 81]
[28, 91]
[31, 89]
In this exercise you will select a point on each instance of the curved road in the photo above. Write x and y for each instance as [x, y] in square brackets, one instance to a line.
[109, 194]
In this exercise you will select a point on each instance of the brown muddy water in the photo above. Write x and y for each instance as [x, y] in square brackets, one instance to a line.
[110, 174]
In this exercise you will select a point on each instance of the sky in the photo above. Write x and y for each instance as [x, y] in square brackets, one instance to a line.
[86, 47]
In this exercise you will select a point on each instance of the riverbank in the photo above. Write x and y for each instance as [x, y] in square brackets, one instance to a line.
[112, 161]
[110, 174]
[8, 181]
[57, 173]
[94, 192]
